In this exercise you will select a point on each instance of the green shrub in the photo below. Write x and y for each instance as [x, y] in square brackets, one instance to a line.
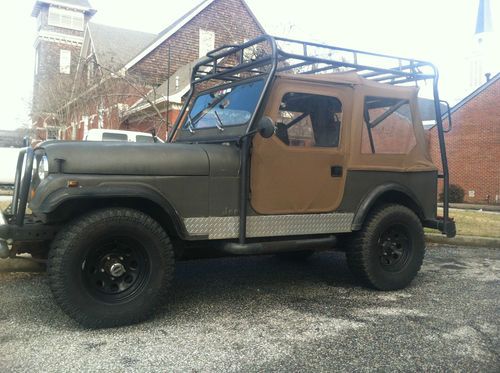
[456, 194]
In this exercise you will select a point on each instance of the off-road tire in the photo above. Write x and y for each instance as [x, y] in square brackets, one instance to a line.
[146, 253]
[386, 228]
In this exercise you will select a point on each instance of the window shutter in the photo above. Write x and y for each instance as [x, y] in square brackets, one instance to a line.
[66, 18]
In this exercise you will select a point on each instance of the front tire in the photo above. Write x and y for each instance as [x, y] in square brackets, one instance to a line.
[110, 267]
[389, 250]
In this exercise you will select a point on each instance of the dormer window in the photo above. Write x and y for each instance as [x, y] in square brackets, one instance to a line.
[65, 18]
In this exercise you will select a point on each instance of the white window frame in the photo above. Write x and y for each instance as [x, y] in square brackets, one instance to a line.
[66, 18]
[65, 61]
[206, 42]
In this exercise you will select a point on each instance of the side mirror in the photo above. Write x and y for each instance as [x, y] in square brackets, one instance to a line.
[266, 127]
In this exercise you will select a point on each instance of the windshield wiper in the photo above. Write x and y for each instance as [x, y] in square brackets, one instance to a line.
[190, 124]
[219, 125]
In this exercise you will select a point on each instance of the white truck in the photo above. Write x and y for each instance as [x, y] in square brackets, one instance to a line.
[119, 135]
[8, 165]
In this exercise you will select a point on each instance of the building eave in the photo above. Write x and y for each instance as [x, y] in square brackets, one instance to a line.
[38, 6]
[475, 93]
[57, 37]
[167, 35]
[142, 105]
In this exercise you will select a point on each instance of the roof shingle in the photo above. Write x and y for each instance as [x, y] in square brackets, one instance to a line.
[114, 46]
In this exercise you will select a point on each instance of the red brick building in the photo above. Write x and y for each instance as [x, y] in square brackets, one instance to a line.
[121, 76]
[473, 145]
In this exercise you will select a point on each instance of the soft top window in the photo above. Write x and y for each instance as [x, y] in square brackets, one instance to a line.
[388, 126]
[309, 120]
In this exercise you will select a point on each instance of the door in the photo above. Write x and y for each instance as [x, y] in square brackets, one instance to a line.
[301, 168]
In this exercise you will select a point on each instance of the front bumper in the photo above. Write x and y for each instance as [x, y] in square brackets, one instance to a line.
[4, 247]
[25, 238]
[18, 232]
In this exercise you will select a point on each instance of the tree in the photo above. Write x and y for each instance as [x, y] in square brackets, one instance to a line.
[96, 95]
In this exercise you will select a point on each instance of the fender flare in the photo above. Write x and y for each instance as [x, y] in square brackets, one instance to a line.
[371, 198]
[60, 196]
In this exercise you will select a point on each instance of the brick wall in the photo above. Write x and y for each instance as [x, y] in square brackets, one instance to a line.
[473, 146]
[228, 19]
[50, 86]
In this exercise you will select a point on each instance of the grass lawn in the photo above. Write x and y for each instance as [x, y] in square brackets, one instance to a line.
[475, 223]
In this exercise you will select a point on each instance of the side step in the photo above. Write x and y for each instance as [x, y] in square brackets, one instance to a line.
[270, 247]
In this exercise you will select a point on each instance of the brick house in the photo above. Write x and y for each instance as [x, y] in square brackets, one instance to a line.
[121, 76]
[473, 145]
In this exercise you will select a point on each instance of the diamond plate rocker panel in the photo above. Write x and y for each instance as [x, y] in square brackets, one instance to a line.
[270, 225]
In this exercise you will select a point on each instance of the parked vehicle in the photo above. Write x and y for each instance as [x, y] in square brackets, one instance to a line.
[119, 135]
[282, 147]
[8, 169]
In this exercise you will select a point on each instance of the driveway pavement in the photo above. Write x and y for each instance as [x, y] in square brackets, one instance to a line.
[263, 314]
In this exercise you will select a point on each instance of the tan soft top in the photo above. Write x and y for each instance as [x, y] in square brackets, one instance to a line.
[348, 78]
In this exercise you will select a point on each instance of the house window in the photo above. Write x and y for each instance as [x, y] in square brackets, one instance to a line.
[52, 133]
[36, 62]
[207, 42]
[388, 126]
[65, 61]
[66, 18]
[90, 69]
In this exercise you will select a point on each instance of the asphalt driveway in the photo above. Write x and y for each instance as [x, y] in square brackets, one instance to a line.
[263, 314]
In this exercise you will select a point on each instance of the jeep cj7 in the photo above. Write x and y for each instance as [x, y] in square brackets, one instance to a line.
[282, 146]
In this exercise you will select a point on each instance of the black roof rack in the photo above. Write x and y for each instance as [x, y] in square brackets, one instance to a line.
[231, 63]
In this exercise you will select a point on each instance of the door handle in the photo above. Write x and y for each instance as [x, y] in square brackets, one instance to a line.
[336, 171]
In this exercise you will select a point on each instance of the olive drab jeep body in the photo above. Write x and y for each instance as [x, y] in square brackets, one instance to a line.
[282, 147]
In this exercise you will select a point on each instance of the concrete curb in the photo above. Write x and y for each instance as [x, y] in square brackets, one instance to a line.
[22, 264]
[470, 206]
[464, 240]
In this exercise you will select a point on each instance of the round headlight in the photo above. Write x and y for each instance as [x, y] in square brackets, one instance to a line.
[43, 168]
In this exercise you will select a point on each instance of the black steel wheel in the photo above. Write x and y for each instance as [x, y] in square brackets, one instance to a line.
[395, 248]
[388, 252]
[110, 267]
[116, 268]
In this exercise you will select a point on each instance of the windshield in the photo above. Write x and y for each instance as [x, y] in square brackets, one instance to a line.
[224, 108]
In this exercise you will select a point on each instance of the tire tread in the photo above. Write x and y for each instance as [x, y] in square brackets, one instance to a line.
[75, 229]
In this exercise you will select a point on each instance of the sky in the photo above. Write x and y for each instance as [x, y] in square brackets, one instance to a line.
[440, 31]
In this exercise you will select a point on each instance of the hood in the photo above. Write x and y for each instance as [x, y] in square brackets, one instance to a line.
[118, 158]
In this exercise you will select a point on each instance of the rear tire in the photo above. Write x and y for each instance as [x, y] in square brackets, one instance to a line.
[110, 267]
[388, 252]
